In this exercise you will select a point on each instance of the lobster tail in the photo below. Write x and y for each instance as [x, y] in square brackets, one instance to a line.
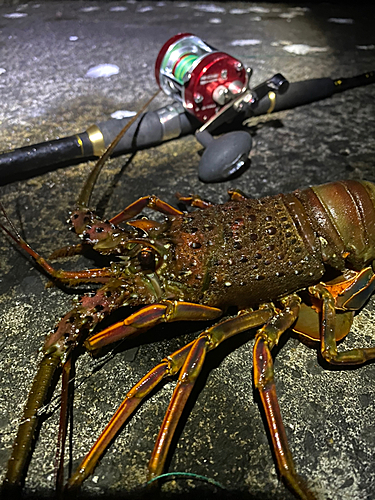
[343, 217]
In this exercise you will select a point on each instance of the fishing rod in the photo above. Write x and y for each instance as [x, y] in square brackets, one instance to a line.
[210, 90]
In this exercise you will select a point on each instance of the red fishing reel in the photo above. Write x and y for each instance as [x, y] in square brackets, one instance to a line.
[214, 87]
[199, 76]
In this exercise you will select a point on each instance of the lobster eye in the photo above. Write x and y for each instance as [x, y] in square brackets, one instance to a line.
[146, 258]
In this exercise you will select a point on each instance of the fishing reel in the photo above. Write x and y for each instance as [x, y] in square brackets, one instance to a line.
[194, 73]
[214, 87]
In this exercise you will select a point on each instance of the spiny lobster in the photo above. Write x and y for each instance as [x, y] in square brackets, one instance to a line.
[302, 261]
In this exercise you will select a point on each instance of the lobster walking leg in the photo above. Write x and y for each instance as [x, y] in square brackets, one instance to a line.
[149, 316]
[71, 277]
[194, 200]
[237, 195]
[190, 371]
[328, 338]
[169, 366]
[65, 412]
[146, 201]
[58, 348]
[266, 338]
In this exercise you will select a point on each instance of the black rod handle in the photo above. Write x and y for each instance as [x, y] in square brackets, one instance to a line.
[150, 129]
[298, 94]
[308, 91]
[33, 160]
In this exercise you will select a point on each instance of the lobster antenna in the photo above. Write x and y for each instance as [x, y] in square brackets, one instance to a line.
[10, 223]
[85, 195]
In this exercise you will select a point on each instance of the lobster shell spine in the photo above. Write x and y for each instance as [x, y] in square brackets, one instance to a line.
[244, 252]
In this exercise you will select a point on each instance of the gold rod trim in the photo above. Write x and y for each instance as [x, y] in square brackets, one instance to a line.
[272, 98]
[96, 139]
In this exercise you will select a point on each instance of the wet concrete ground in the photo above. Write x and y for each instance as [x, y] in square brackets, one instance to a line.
[328, 414]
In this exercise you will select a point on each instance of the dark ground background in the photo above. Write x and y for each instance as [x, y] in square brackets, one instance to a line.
[328, 414]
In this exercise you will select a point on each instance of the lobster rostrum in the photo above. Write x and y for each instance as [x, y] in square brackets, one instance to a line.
[261, 256]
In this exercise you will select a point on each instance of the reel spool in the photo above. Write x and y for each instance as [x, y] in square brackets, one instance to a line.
[199, 76]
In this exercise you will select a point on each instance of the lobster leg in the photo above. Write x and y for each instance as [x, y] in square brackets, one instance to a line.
[168, 366]
[328, 337]
[190, 371]
[150, 316]
[194, 201]
[58, 348]
[237, 195]
[65, 410]
[146, 201]
[72, 277]
[266, 338]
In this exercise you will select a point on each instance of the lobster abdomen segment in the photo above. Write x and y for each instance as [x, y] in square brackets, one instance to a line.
[343, 216]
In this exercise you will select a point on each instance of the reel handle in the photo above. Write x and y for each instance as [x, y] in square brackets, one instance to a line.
[228, 155]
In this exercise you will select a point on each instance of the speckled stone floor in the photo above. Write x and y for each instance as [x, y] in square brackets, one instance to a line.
[45, 53]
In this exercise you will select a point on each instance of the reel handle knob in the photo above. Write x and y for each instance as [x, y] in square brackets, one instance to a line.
[223, 157]
[277, 83]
